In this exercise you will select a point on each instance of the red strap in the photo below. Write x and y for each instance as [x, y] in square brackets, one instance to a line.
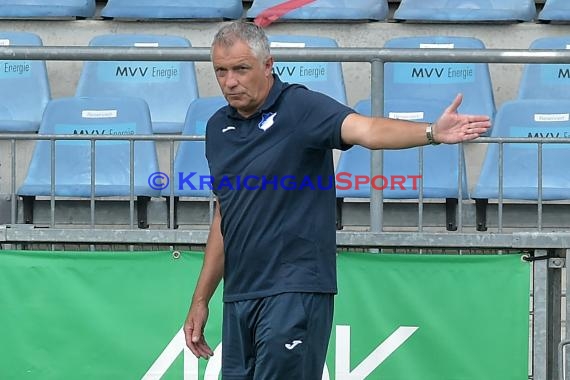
[272, 14]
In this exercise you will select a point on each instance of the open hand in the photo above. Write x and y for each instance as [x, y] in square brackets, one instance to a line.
[452, 127]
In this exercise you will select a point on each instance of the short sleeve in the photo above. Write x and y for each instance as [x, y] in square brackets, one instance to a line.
[320, 119]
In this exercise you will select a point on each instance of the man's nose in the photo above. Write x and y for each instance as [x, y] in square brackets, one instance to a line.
[231, 79]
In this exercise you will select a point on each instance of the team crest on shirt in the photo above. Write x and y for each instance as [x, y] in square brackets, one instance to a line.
[267, 120]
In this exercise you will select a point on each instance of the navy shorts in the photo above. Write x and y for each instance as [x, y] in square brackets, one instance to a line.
[284, 337]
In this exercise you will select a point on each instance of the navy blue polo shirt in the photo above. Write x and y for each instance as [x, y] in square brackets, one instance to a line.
[273, 174]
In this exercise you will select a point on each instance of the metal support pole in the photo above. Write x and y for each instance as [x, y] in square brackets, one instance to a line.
[377, 107]
[546, 316]
[564, 357]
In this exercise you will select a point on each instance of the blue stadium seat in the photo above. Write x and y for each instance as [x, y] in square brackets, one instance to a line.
[466, 10]
[325, 77]
[190, 161]
[327, 10]
[440, 163]
[173, 9]
[167, 87]
[47, 8]
[555, 10]
[546, 81]
[191, 157]
[105, 116]
[425, 81]
[24, 87]
[526, 118]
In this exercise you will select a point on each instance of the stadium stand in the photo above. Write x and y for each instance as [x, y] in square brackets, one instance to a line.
[167, 87]
[424, 81]
[73, 160]
[465, 10]
[173, 9]
[190, 157]
[24, 87]
[31, 9]
[354, 10]
[520, 172]
[440, 171]
[325, 77]
[555, 10]
[546, 81]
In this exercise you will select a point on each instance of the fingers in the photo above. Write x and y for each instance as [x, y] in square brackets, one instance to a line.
[476, 124]
[475, 129]
[478, 127]
[197, 343]
[477, 118]
[455, 104]
[201, 349]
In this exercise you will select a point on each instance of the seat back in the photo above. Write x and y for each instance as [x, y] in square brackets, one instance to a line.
[401, 168]
[47, 8]
[190, 162]
[24, 87]
[546, 81]
[72, 160]
[173, 9]
[555, 10]
[426, 81]
[528, 118]
[466, 10]
[167, 87]
[347, 10]
[325, 77]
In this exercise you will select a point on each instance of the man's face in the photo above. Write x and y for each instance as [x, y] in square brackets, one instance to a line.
[243, 79]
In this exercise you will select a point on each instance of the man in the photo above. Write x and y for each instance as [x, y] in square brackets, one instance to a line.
[274, 243]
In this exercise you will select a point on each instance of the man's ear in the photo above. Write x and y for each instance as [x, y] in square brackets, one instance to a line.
[269, 66]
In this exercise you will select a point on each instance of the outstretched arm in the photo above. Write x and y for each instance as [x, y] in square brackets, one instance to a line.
[384, 133]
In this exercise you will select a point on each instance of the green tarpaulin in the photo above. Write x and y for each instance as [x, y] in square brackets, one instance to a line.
[118, 315]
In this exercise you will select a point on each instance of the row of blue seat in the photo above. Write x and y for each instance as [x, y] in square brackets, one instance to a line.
[169, 87]
[111, 116]
[481, 10]
[117, 169]
[443, 166]
[420, 10]
[408, 10]
[177, 9]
